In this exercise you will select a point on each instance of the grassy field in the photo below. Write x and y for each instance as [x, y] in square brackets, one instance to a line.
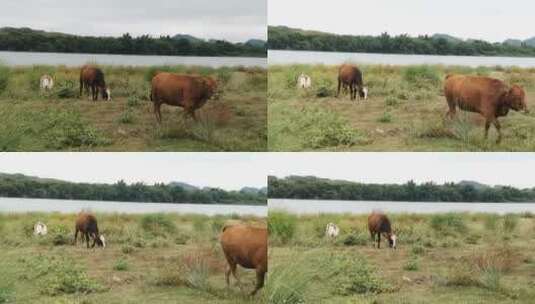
[61, 121]
[405, 112]
[440, 258]
[151, 258]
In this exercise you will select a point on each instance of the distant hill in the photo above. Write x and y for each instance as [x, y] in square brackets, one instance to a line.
[256, 43]
[190, 38]
[31, 40]
[286, 38]
[449, 38]
[530, 41]
[20, 185]
[185, 186]
[476, 185]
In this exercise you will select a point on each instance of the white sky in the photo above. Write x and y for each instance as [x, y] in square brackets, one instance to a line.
[233, 20]
[230, 171]
[490, 20]
[233, 171]
[515, 169]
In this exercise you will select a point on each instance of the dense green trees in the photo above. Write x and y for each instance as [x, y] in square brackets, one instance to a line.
[28, 40]
[309, 187]
[23, 186]
[284, 38]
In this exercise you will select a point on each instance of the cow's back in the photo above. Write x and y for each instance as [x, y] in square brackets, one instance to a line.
[246, 245]
[378, 222]
[172, 88]
[472, 91]
[348, 73]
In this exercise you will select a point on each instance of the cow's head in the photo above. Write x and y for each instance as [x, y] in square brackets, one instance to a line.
[363, 92]
[106, 93]
[101, 241]
[515, 98]
[212, 88]
[392, 240]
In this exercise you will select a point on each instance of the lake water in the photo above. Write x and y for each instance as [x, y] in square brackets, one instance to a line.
[20, 205]
[334, 58]
[29, 58]
[365, 207]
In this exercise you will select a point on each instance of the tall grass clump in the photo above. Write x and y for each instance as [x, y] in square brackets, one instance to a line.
[5, 294]
[4, 78]
[157, 224]
[422, 76]
[510, 222]
[287, 284]
[449, 223]
[282, 226]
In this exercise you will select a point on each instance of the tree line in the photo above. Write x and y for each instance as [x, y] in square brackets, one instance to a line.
[28, 40]
[284, 38]
[25, 187]
[310, 187]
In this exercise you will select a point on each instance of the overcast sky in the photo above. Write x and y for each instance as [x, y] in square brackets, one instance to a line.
[490, 20]
[233, 171]
[514, 169]
[233, 20]
[230, 171]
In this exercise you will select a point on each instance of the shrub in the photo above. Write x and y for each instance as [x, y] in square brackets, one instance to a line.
[133, 101]
[287, 284]
[282, 226]
[65, 90]
[158, 224]
[4, 78]
[356, 276]
[65, 277]
[121, 265]
[127, 249]
[510, 222]
[491, 222]
[68, 129]
[355, 239]
[422, 76]
[60, 235]
[224, 75]
[417, 249]
[391, 101]
[448, 223]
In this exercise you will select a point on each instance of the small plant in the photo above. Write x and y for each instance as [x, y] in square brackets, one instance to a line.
[60, 235]
[391, 101]
[412, 264]
[417, 249]
[5, 295]
[127, 249]
[356, 276]
[133, 101]
[127, 117]
[386, 117]
[422, 76]
[4, 78]
[121, 265]
[282, 226]
[449, 223]
[355, 239]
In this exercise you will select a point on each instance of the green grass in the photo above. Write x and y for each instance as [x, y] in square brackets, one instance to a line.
[144, 261]
[428, 266]
[405, 111]
[32, 118]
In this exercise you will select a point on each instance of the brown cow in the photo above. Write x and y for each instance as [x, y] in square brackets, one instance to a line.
[93, 78]
[245, 246]
[487, 96]
[86, 224]
[350, 76]
[379, 224]
[188, 92]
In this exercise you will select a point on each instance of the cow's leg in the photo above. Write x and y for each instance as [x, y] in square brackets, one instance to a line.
[192, 114]
[87, 239]
[75, 237]
[260, 275]
[94, 236]
[339, 84]
[157, 112]
[487, 126]
[498, 128]
[378, 240]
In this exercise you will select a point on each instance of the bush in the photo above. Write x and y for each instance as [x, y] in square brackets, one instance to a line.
[282, 226]
[448, 223]
[158, 224]
[127, 249]
[491, 222]
[68, 129]
[355, 239]
[510, 222]
[422, 76]
[417, 249]
[65, 90]
[65, 277]
[133, 101]
[4, 78]
[287, 284]
[356, 276]
[60, 235]
[121, 265]
[391, 101]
